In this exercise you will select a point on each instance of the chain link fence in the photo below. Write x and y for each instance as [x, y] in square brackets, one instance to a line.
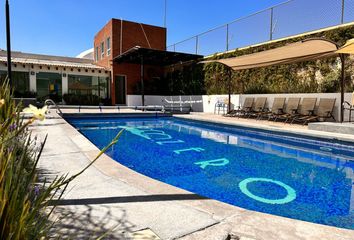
[283, 20]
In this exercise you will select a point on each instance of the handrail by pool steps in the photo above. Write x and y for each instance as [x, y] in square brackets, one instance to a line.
[50, 102]
[156, 108]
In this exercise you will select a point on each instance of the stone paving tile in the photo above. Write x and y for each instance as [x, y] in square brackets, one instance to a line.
[216, 232]
[107, 197]
[265, 226]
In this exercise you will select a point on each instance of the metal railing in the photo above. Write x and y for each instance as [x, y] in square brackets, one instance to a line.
[286, 19]
[79, 108]
[50, 102]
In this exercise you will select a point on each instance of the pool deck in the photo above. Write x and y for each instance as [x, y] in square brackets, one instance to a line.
[110, 196]
[267, 125]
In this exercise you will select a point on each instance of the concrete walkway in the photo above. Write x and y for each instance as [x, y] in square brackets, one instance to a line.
[109, 196]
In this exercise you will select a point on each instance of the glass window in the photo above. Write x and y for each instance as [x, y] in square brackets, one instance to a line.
[96, 54]
[20, 83]
[102, 50]
[3, 75]
[88, 85]
[108, 46]
[80, 85]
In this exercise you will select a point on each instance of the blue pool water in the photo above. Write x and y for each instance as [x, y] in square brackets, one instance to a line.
[301, 178]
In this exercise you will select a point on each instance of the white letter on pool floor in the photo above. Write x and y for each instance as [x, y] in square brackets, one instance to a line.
[163, 135]
[215, 163]
[197, 149]
[170, 142]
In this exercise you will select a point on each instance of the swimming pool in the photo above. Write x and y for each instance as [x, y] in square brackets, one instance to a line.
[301, 178]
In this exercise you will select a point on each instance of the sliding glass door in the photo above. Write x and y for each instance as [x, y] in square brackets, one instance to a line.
[49, 85]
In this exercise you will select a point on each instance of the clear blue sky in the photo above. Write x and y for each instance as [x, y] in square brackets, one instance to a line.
[67, 27]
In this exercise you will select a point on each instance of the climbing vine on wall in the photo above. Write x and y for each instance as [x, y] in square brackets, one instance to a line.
[304, 77]
[187, 79]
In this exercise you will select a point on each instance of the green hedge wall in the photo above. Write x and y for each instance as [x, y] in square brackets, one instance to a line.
[305, 77]
[183, 80]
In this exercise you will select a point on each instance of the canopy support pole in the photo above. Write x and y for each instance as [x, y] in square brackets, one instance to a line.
[229, 90]
[342, 87]
[142, 80]
[8, 42]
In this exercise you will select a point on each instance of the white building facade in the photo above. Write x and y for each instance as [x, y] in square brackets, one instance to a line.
[44, 76]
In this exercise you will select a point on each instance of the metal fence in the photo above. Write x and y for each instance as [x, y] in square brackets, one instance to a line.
[283, 20]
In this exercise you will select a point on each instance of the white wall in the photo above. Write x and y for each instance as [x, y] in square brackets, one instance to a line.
[209, 101]
[65, 84]
[206, 103]
[33, 82]
[196, 102]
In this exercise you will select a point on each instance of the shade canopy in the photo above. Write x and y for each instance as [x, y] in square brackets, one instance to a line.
[154, 57]
[348, 48]
[306, 50]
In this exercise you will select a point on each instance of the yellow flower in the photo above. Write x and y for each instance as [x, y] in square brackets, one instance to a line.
[2, 102]
[38, 113]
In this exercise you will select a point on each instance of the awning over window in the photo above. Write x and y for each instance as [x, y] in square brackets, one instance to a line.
[310, 49]
[154, 57]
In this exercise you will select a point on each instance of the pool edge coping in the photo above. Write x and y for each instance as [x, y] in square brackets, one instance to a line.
[298, 132]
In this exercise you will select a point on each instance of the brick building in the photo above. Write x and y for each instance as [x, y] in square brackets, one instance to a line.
[116, 38]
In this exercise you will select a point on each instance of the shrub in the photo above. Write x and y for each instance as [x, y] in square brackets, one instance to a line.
[73, 99]
[26, 94]
[19, 205]
[55, 97]
[24, 201]
[330, 82]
